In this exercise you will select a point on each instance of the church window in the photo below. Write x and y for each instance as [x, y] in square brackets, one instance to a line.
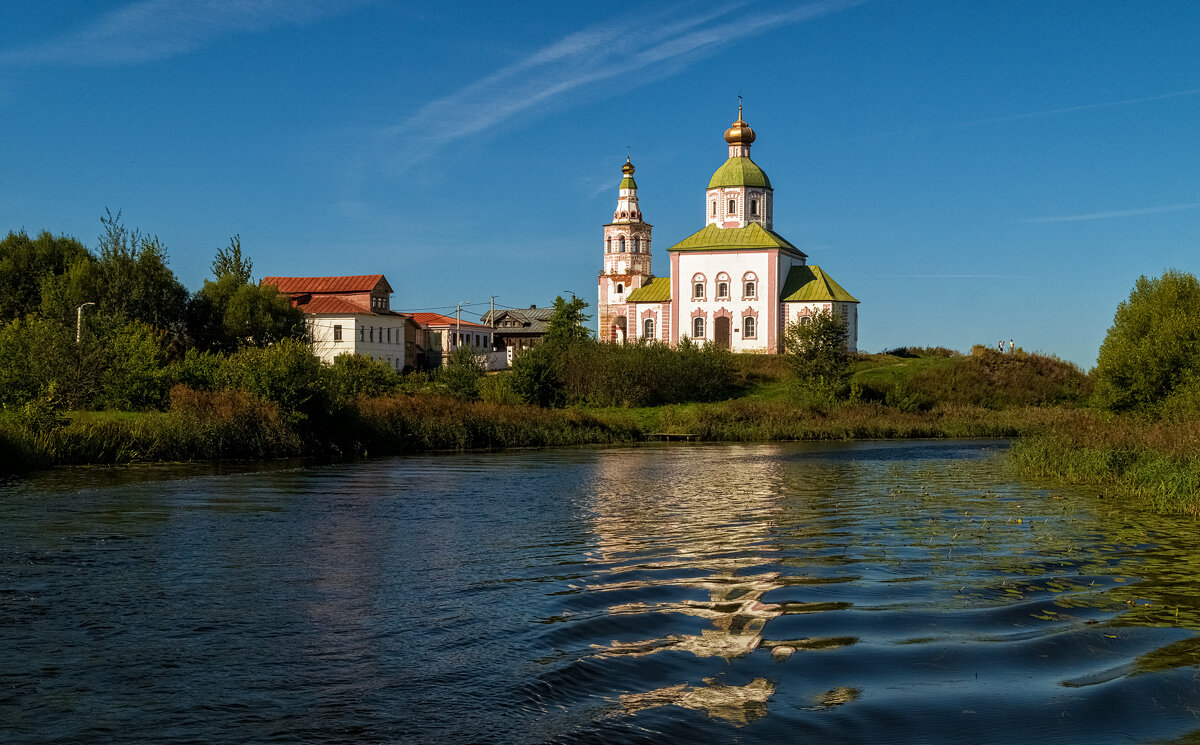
[806, 320]
[621, 244]
[749, 286]
[648, 328]
[620, 288]
[698, 327]
[722, 289]
[608, 245]
[698, 290]
[714, 209]
[637, 245]
[337, 332]
[748, 330]
[754, 206]
[733, 206]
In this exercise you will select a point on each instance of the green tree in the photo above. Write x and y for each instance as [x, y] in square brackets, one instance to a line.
[461, 374]
[135, 373]
[134, 279]
[354, 375]
[36, 354]
[816, 353]
[566, 327]
[230, 313]
[1152, 350]
[231, 261]
[287, 374]
[534, 377]
[25, 263]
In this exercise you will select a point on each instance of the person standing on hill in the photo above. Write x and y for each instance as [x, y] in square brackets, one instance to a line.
[1011, 347]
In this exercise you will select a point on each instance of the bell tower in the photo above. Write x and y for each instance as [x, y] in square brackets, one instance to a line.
[626, 259]
[739, 193]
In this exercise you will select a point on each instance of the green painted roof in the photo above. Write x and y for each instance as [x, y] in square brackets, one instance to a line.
[808, 284]
[713, 238]
[628, 183]
[657, 290]
[740, 171]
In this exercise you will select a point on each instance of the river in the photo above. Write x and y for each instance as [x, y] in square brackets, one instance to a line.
[871, 592]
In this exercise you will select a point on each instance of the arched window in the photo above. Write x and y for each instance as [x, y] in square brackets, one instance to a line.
[805, 320]
[620, 288]
[608, 245]
[748, 330]
[648, 328]
[754, 206]
[637, 245]
[749, 286]
[698, 327]
[733, 206]
[722, 290]
[621, 244]
[714, 209]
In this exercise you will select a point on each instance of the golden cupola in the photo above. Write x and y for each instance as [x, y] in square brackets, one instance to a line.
[739, 133]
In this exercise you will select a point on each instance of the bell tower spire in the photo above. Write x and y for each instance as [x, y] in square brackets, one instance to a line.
[626, 258]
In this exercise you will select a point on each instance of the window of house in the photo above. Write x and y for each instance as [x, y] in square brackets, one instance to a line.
[750, 289]
[620, 288]
[371, 333]
[698, 327]
[754, 206]
[748, 330]
[389, 335]
[805, 320]
[362, 333]
[722, 289]
[648, 328]
[337, 332]
[621, 244]
[698, 291]
[733, 206]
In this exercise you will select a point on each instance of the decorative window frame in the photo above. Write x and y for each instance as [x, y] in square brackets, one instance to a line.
[649, 327]
[703, 319]
[699, 279]
[750, 277]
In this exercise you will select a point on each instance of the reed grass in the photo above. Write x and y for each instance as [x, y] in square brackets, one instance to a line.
[1156, 463]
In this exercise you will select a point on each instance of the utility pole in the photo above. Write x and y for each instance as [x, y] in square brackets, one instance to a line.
[493, 315]
[79, 321]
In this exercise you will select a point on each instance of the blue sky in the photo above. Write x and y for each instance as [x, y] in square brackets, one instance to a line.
[970, 171]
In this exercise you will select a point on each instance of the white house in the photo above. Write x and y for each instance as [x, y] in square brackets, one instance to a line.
[351, 315]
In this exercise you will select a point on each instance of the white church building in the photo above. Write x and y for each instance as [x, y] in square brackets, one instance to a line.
[736, 283]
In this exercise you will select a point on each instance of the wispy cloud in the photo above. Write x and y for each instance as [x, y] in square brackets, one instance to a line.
[625, 52]
[1033, 114]
[1115, 213]
[157, 29]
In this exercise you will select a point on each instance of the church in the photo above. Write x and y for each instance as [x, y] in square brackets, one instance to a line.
[736, 282]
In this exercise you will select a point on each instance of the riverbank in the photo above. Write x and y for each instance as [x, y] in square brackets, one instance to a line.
[228, 425]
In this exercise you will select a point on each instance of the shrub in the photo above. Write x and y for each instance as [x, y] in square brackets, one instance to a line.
[816, 353]
[287, 374]
[354, 375]
[461, 374]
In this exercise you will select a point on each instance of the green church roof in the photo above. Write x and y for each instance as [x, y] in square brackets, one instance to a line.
[753, 236]
[809, 284]
[739, 171]
[657, 290]
[628, 183]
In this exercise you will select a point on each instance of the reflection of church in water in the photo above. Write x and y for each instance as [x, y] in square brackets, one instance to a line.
[735, 283]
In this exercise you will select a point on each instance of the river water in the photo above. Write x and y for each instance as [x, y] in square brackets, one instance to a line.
[909, 592]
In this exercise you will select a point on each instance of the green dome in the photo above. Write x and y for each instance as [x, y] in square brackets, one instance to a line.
[739, 171]
[628, 183]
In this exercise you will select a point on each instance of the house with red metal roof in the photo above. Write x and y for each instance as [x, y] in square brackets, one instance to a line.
[353, 315]
[444, 334]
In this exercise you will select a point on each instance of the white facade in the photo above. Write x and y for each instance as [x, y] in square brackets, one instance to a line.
[380, 337]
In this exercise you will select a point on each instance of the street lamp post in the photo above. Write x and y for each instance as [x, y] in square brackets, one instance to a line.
[79, 321]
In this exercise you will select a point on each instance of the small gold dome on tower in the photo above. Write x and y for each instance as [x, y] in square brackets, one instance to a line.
[628, 168]
[739, 133]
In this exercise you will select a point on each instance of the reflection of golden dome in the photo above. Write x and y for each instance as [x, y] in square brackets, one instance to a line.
[739, 133]
[628, 168]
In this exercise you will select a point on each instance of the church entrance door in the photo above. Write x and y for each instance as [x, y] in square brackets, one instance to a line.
[721, 331]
